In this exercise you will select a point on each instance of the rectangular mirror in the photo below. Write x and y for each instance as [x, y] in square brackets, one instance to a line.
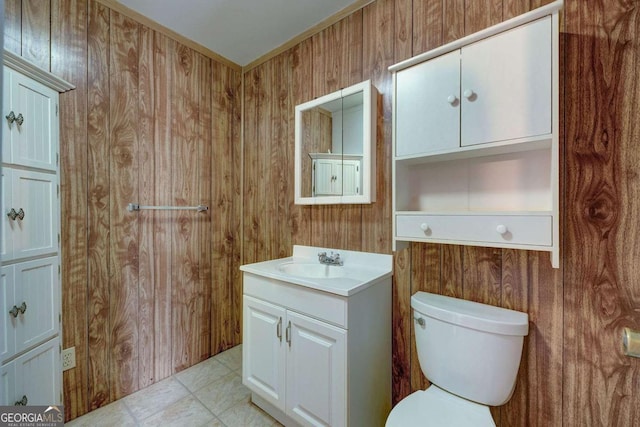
[335, 139]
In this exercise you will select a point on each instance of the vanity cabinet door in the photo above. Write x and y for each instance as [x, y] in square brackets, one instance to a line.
[38, 375]
[316, 372]
[264, 350]
[506, 85]
[427, 106]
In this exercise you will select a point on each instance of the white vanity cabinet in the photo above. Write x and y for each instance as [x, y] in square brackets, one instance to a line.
[335, 175]
[318, 352]
[476, 129]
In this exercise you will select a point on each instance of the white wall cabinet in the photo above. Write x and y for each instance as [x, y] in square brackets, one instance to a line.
[476, 139]
[336, 177]
[30, 291]
[312, 358]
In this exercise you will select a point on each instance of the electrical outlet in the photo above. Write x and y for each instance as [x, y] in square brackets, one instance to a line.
[68, 358]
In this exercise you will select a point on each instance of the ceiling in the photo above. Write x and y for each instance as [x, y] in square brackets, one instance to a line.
[239, 30]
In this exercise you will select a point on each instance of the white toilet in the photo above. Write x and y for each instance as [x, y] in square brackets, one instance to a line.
[470, 352]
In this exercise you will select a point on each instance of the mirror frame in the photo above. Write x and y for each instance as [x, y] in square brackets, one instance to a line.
[369, 122]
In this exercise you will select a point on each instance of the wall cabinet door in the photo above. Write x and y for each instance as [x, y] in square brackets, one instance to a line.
[427, 106]
[7, 320]
[316, 372]
[30, 127]
[32, 195]
[35, 377]
[506, 85]
[336, 177]
[264, 350]
[32, 304]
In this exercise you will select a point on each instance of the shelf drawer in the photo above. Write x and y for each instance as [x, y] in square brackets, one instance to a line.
[532, 230]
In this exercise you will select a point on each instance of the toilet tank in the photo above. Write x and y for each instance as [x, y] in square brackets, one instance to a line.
[469, 349]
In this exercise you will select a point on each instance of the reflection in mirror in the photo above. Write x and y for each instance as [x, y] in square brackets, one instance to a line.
[333, 147]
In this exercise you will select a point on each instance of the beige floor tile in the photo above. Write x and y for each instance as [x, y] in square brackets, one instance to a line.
[198, 376]
[231, 358]
[155, 398]
[246, 414]
[185, 412]
[114, 414]
[224, 393]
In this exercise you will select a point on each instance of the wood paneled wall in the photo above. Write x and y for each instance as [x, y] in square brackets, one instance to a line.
[152, 122]
[572, 372]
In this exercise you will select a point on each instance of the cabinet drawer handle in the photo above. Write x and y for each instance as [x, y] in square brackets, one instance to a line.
[22, 402]
[11, 117]
[23, 307]
[502, 229]
[20, 214]
[12, 214]
[424, 226]
[288, 333]
[279, 329]
[469, 94]
[452, 99]
[20, 119]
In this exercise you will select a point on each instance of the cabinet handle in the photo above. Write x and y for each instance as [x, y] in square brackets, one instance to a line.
[424, 226]
[279, 329]
[20, 214]
[288, 333]
[20, 119]
[452, 99]
[502, 229]
[469, 94]
[23, 307]
[11, 117]
[22, 402]
[14, 311]
[12, 214]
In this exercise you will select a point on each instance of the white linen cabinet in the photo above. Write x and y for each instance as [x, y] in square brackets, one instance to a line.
[476, 131]
[30, 291]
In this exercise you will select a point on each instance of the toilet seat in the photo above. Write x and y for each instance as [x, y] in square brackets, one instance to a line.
[435, 407]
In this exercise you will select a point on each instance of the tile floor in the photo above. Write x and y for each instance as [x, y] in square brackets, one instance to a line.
[207, 394]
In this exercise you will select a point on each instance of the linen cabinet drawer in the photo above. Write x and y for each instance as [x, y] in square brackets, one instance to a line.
[534, 230]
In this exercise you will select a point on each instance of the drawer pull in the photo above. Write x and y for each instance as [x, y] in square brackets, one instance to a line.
[502, 229]
[11, 117]
[22, 402]
[424, 226]
[20, 119]
[279, 329]
[452, 99]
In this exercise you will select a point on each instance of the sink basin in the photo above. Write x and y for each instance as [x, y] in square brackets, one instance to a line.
[312, 271]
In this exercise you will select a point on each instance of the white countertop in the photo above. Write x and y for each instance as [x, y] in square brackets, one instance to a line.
[362, 269]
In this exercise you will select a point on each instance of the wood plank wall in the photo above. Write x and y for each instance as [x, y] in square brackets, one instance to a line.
[151, 121]
[572, 372]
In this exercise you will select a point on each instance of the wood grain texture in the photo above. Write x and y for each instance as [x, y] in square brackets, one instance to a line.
[401, 318]
[427, 25]
[69, 61]
[481, 14]
[123, 225]
[161, 257]
[98, 134]
[226, 200]
[13, 26]
[378, 55]
[403, 30]
[602, 205]
[36, 32]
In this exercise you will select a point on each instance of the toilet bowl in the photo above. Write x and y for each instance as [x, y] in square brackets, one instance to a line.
[470, 352]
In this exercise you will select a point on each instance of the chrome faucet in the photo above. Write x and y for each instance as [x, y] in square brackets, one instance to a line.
[330, 259]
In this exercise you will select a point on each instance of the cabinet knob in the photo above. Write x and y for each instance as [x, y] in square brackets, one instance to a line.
[12, 214]
[20, 119]
[452, 99]
[22, 402]
[14, 311]
[424, 226]
[20, 214]
[502, 229]
[468, 93]
[11, 117]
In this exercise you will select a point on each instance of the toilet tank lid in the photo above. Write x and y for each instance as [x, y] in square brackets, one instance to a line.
[474, 315]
